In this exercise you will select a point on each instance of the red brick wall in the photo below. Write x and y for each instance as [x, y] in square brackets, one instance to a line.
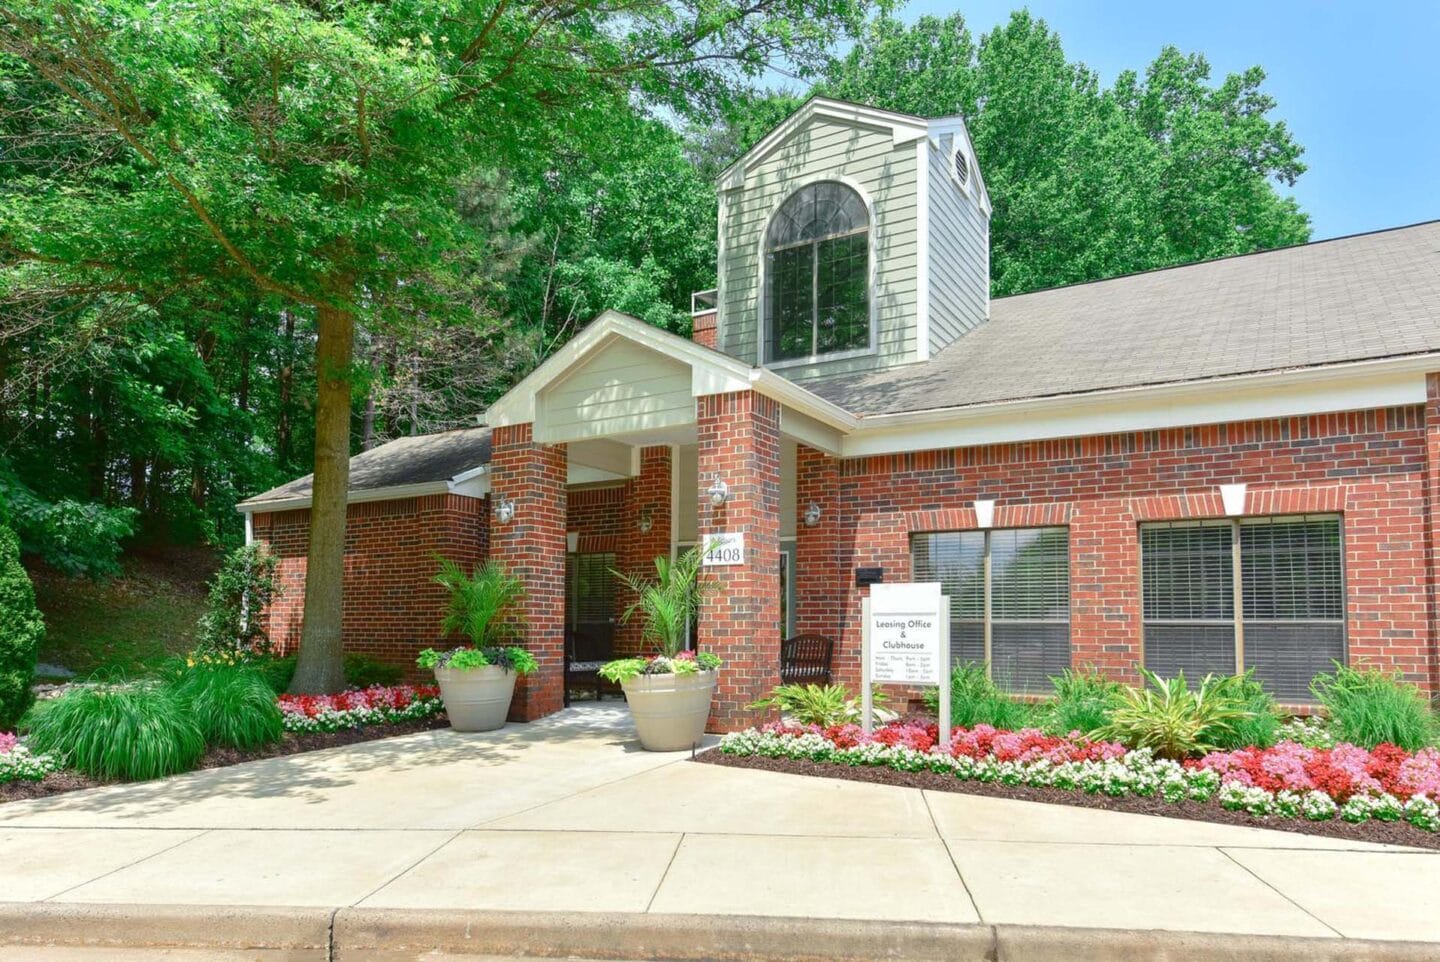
[596, 515]
[1371, 466]
[532, 546]
[392, 608]
[739, 437]
[648, 493]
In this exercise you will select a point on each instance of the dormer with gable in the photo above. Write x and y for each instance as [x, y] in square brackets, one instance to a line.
[851, 239]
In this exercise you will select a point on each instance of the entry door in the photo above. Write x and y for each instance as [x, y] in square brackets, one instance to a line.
[590, 605]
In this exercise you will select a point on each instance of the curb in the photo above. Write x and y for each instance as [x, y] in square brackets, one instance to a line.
[299, 934]
[403, 935]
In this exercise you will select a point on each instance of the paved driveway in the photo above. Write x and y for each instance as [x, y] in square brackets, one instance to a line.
[568, 815]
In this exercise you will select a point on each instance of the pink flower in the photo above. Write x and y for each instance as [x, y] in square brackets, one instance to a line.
[7, 742]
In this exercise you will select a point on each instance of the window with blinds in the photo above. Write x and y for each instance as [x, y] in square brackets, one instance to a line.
[1009, 597]
[592, 587]
[1261, 593]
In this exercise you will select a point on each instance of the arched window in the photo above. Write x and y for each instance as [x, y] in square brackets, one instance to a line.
[817, 270]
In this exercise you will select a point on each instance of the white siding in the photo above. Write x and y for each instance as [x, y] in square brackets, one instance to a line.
[959, 252]
[622, 388]
[884, 171]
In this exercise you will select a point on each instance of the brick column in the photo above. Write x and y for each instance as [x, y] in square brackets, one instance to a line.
[1432, 522]
[739, 436]
[645, 495]
[532, 546]
[820, 574]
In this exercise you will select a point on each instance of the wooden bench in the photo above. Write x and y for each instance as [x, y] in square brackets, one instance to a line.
[805, 660]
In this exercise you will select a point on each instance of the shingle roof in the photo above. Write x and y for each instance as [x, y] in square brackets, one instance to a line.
[414, 460]
[1353, 298]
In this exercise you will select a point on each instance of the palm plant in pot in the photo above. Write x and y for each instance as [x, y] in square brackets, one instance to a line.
[477, 681]
[669, 692]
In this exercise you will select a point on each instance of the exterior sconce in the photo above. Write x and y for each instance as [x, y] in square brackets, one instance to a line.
[719, 492]
[504, 510]
[812, 515]
[646, 522]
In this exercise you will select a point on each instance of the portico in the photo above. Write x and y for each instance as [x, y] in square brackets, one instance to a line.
[698, 444]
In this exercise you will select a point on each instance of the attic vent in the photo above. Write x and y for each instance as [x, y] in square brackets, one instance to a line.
[960, 168]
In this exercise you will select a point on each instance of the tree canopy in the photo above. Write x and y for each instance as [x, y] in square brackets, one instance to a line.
[242, 239]
[1087, 182]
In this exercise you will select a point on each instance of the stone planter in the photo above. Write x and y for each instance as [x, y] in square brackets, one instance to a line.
[670, 711]
[476, 700]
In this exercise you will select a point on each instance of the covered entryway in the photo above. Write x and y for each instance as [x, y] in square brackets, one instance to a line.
[690, 443]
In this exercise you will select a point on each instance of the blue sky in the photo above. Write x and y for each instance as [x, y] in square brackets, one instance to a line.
[1358, 83]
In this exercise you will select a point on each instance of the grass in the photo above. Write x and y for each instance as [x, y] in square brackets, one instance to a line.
[232, 704]
[128, 624]
[1368, 707]
[132, 732]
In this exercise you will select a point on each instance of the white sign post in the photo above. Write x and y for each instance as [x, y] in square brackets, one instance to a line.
[904, 640]
[723, 548]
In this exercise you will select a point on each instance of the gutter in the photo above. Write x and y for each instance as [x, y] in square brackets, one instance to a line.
[360, 496]
[1345, 370]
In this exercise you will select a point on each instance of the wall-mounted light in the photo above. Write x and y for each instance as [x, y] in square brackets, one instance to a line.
[812, 515]
[504, 510]
[719, 492]
[647, 521]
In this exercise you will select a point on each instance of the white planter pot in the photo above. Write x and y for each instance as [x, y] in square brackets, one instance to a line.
[476, 700]
[670, 711]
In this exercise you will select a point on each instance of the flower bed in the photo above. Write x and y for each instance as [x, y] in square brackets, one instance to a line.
[1288, 781]
[376, 705]
[19, 764]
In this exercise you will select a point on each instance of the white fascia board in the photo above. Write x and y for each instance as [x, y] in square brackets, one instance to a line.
[810, 432]
[793, 395]
[903, 129]
[474, 472]
[391, 493]
[1296, 393]
[922, 249]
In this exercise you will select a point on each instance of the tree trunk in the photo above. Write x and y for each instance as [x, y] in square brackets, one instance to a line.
[320, 667]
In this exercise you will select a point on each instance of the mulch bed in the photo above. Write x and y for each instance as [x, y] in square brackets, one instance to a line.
[1393, 833]
[292, 744]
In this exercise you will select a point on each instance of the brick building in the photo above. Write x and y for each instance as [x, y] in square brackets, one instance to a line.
[1233, 464]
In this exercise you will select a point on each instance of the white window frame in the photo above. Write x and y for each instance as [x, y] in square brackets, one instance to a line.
[762, 330]
[1237, 618]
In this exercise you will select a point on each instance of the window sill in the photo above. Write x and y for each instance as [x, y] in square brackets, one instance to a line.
[821, 358]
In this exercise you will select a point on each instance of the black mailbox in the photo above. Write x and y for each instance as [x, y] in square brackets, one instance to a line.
[868, 576]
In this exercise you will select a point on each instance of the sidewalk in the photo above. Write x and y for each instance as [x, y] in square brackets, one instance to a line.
[568, 816]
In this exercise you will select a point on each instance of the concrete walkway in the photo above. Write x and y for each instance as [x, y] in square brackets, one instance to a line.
[567, 815]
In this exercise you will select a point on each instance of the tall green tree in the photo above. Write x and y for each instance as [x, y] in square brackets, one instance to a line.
[308, 156]
[1164, 167]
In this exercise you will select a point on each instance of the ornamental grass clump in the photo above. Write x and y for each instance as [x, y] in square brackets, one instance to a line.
[233, 705]
[1173, 720]
[1369, 707]
[975, 699]
[132, 732]
[1083, 700]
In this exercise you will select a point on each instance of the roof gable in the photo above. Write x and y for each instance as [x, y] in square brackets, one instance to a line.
[903, 128]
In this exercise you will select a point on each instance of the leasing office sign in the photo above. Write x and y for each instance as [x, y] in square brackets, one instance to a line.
[905, 637]
[905, 643]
